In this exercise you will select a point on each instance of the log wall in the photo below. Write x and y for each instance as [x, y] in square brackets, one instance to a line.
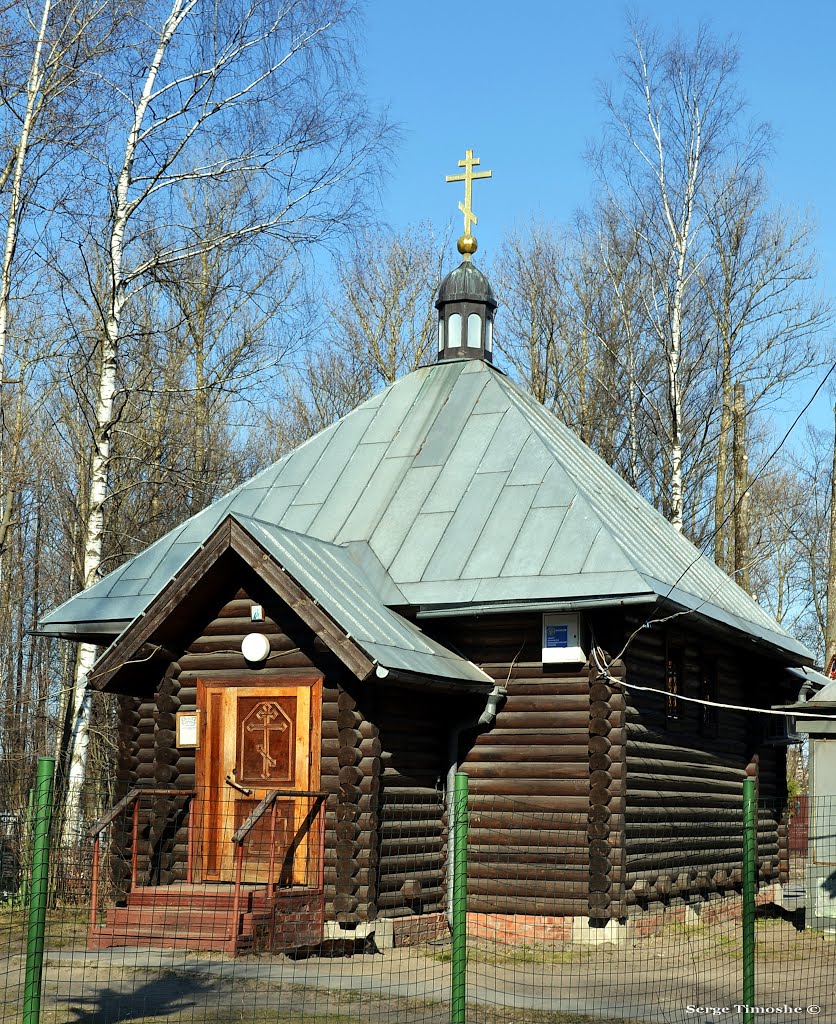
[683, 814]
[529, 849]
[409, 744]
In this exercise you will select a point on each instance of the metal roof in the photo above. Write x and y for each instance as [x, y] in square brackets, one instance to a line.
[337, 583]
[461, 490]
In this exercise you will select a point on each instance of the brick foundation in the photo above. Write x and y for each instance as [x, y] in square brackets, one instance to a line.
[508, 929]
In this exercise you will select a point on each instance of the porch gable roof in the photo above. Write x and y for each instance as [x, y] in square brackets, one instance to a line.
[322, 585]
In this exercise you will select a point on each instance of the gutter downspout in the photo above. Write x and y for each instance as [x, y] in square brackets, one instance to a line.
[488, 717]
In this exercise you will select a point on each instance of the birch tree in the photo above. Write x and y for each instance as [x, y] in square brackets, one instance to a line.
[759, 282]
[47, 110]
[379, 324]
[226, 88]
[671, 125]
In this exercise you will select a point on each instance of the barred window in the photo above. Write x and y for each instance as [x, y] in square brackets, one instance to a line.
[709, 716]
[673, 682]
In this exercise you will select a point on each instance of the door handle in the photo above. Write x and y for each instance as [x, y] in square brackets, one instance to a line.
[234, 785]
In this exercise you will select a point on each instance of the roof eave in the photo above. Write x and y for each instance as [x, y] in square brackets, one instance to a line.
[418, 680]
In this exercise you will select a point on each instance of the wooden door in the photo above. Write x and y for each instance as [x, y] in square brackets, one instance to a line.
[257, 738]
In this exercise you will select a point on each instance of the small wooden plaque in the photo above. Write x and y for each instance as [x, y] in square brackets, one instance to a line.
[188, 729]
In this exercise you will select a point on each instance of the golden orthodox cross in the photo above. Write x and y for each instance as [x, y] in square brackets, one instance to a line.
[468, 178]
[266, 714]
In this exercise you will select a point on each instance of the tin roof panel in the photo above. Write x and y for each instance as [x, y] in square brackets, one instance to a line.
[413, 473]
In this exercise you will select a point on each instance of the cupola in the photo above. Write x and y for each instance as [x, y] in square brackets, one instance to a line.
[466, 307]
[466, 303]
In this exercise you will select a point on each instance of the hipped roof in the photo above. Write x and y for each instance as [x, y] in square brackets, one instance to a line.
[453, 488]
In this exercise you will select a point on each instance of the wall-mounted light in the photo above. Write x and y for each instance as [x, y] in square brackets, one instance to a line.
[255, 647]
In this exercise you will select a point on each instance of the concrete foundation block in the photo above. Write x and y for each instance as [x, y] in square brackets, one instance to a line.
[383, 928]
[586, 934]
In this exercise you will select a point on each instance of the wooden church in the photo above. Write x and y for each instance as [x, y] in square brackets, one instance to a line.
[447, 578]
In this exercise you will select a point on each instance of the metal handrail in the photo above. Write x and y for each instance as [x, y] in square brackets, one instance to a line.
[265, 804]
[95, 833]
[132, 794]
[269, 803]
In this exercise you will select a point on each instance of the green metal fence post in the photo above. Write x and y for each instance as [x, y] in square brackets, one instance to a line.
[750, 885]
[38, 891]
[458, 978]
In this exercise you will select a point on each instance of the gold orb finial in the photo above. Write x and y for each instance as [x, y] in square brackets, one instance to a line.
[467, 245]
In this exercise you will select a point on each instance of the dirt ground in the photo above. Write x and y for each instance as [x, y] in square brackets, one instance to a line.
[681, 975]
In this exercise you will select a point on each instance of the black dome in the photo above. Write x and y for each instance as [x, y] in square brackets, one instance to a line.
[466, 284]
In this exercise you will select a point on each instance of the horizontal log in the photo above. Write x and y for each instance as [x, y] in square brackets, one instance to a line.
[533, 677]
[543, 719]
[550, 840]
[396, 899]
[392, 829]
[600, 885]
[506, 859]
[532, 905]
[565, 878]
[515, 888]
[672, 800]
[555, 738]
[545, 703]
[531, 803]
[416, 778]
[412, 846]
[211, 674]
[575, 753]
[408, 761]
[542, 770]
[395, 865]
[601, 709]
[230, 643]
[680, 784]
[392, 881]
[684, 764]
[511, 787]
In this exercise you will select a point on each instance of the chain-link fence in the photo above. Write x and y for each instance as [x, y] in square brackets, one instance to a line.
[221, 906]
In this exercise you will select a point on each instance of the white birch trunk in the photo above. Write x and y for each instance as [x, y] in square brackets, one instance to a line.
[830, 621]
[33, 89]
[123, 207]
[675, 400]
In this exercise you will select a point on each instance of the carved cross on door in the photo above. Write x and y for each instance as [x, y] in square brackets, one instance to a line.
[266, 715]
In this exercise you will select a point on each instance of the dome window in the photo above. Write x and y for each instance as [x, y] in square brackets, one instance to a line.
[454, 326]
[440, 335]
[489, 335]
[474, 331]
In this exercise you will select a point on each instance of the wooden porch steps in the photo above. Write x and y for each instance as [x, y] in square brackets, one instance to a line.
[204, 917]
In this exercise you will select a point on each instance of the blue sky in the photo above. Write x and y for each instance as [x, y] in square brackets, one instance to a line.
[518, 83]
[522, 92]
